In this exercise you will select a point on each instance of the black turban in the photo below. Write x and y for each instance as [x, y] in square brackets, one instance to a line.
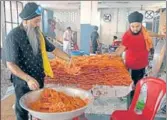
[29, 11]
[135, 17]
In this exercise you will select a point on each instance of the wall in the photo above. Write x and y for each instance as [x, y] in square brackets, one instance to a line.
[47, 14]
[2, 24]
[86, 30]
[162, 21]
[65, 18]
[117, 26]
[119, 23]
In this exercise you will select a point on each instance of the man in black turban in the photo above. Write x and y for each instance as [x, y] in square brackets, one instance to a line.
[24, 55]
[135, 20]
[133, 43]
[136, 42]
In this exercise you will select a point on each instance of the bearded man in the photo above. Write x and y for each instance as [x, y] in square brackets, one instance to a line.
[26, 56]
[136, 42]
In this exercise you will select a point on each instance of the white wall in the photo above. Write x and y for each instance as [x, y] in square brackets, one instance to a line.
[162, 21]
[2, 24]
[107, 29]
[68, 18]
[118, 25]
[65, 18]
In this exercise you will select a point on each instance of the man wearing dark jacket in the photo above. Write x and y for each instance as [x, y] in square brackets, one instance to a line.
[95, 40]
[25, 54]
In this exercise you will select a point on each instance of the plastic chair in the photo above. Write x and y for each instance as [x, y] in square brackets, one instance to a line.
[156, 89]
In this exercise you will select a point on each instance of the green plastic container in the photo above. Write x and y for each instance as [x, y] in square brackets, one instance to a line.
[140, 105]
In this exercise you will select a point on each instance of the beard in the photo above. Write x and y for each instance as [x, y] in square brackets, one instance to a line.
[135, 33]
[33, 37]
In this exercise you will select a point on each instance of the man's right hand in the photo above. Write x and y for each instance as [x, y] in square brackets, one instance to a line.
[118, 51]
[61, 54]
[32, 83]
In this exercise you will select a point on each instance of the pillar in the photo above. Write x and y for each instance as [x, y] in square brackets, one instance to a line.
[94, 14]
[88, 19]
[85, 26]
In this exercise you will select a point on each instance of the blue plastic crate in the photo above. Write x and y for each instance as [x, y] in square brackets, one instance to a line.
[77, 53]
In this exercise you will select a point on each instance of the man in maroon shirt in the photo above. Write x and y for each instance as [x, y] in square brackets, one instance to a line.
[134, 44]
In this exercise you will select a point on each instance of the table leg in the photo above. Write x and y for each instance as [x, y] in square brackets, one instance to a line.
[128, 100]
[82, 117]
[129, 95]
[30, 117]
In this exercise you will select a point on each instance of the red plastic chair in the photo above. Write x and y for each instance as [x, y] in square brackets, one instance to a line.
[156, 89]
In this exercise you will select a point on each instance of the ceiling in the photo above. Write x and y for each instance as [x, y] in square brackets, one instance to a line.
[101, 4]
[134, 3]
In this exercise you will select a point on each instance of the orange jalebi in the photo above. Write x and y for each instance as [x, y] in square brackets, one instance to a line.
[86, 71]
[53, 101]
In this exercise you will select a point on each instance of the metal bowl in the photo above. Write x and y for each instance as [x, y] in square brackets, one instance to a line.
[34, 95]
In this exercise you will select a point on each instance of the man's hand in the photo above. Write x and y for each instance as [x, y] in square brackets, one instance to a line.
[162, 36]
[32, 83]
[59, 53]
[68, 59]
[118, 51]
[152, 34]
[114, 54]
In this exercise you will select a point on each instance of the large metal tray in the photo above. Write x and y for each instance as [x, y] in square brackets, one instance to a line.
[34, 95]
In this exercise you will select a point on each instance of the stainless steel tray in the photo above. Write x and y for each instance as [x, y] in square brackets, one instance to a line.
[34, 95]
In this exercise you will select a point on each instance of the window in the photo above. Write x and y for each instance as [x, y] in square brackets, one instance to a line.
[11, 14]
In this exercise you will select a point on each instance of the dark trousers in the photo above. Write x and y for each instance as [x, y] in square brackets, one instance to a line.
[20, 90]
[136, 76]
[94, 48]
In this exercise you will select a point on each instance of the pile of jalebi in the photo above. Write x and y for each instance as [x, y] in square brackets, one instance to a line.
[86, 71]
[53, 101]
